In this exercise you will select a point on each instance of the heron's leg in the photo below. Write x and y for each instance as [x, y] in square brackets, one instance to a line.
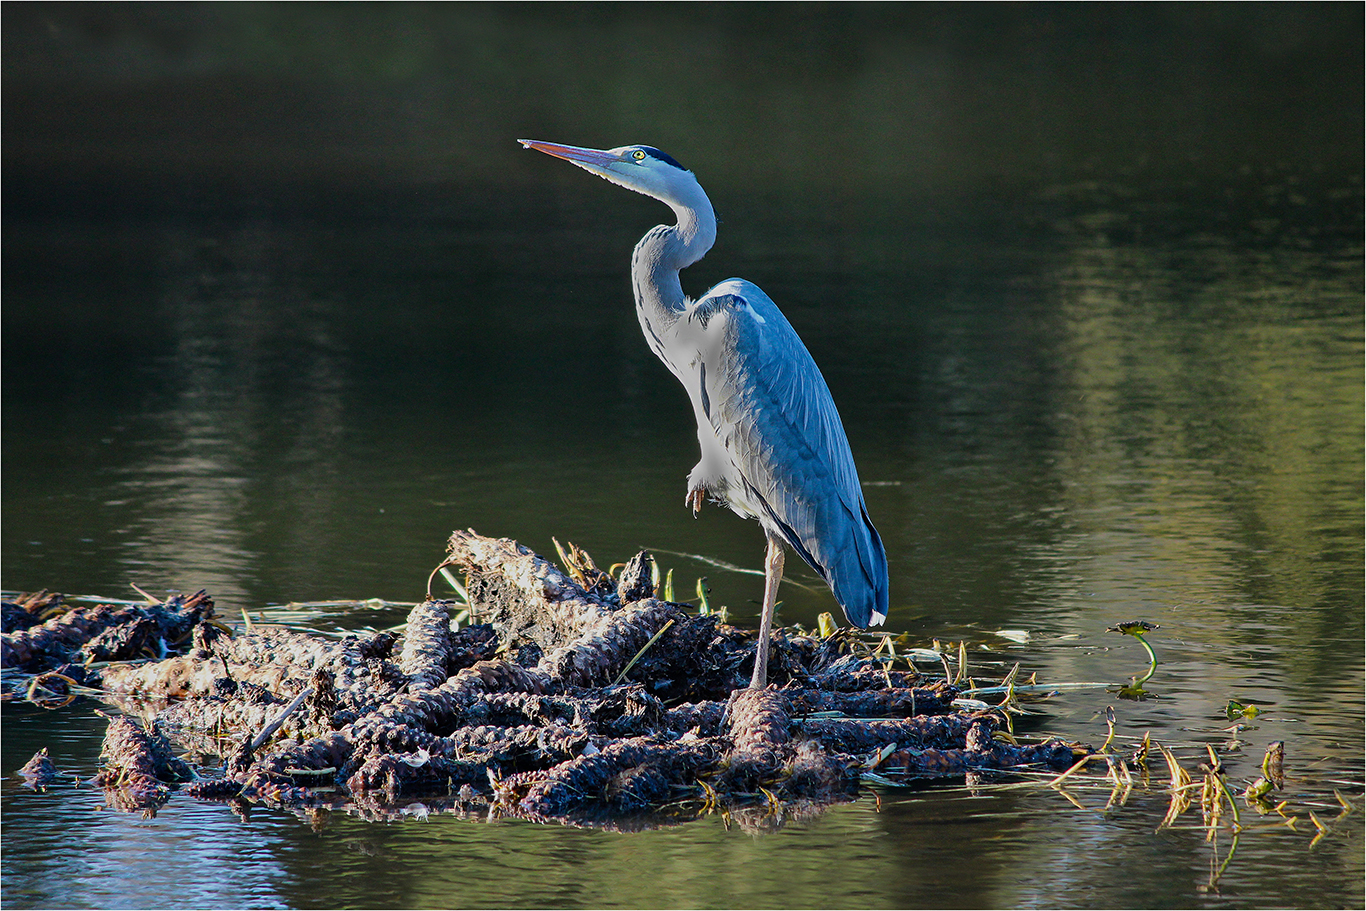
[694, 499]
[773, 574]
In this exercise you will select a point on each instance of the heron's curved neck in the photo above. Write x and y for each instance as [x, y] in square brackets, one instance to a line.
[663, 252]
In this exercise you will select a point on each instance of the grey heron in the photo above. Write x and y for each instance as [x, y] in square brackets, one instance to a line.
[773, 446]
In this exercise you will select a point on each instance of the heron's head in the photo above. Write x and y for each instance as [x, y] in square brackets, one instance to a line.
[642, 168]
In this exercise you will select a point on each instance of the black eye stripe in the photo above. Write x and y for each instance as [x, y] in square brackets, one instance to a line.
[662, 156]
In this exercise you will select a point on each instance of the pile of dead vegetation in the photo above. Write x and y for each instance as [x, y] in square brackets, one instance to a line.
[577, 696]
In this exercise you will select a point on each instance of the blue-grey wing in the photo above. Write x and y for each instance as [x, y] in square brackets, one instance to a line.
[770, 407]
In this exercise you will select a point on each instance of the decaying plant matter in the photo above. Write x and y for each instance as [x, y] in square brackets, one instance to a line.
[138, 765]
[42, 634]
[573, 696]
[39, 772]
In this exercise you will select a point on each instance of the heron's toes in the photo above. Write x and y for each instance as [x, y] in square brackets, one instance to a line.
[694, 499]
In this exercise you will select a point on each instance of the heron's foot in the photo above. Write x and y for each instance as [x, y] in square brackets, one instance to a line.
[694, 499]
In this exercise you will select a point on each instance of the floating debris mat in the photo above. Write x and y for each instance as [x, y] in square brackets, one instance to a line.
[572, 696]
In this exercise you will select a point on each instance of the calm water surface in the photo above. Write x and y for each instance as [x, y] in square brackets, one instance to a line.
[1103, 401]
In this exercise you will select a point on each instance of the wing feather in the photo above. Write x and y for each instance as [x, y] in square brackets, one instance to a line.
[770, 407]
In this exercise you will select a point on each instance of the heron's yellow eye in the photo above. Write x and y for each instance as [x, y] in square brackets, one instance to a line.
[638, 155]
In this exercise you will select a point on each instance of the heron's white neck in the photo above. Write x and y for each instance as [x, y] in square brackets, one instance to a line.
[663, 252]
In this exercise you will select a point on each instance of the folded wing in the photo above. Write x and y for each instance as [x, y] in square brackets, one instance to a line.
[772, 412]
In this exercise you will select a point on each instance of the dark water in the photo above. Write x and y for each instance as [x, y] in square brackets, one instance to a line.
[1124, 380]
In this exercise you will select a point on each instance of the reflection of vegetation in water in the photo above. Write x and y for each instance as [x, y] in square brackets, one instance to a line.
[895, 97]
[1209, 407]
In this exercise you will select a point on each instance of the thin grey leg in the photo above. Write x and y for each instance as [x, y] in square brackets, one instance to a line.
[773, 574]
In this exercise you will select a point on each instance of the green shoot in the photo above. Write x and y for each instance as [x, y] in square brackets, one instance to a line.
[1137, 628]
[643, 649]
[826, 624]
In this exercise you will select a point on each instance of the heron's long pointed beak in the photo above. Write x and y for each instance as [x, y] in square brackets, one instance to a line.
[594, 158]
[607, 165]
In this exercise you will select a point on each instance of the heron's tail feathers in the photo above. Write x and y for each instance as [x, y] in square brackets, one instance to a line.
[858, 577]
